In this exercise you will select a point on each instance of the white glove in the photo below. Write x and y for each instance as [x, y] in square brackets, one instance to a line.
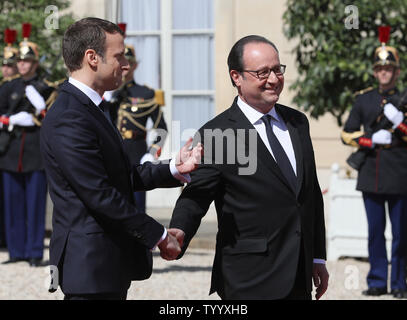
[393, 114]
[23, 119]
[35, 98]
[381, 137]
[147, 157]
[108, 95]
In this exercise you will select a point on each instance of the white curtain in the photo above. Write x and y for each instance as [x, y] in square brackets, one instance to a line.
[144, 15]
[148, 56]
[189, 114]
[193, 14]
[193, 61]
[141, 15]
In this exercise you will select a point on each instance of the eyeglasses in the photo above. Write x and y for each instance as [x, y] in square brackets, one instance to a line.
[265, 73]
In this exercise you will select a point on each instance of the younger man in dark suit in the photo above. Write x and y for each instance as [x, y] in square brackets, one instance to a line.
[100, 241]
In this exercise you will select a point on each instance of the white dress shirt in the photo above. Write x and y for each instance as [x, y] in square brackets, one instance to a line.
[279, 129]
[278, 126]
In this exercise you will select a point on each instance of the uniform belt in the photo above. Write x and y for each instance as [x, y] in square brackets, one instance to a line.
[133, 135]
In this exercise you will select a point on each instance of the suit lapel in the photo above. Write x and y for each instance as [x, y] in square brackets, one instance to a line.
[296, 142]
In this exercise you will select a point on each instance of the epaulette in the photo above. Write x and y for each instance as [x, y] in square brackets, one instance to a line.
[159, 97]
[363, 91]
[7, 79]
[54, 84]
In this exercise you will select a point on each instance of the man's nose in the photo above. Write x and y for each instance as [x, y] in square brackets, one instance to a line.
[126, 66]
[272, 77]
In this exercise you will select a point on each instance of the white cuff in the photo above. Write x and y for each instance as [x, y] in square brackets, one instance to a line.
[185, 178]
[320, 261]
[161, 239]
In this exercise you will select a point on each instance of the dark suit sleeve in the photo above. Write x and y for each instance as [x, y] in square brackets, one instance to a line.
[319, 224]
[319, 241]
[76, 150]
[194, 201]
[4, 93]
[352, 134]
[149, 176]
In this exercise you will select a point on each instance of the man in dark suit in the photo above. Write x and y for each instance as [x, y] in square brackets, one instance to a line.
[271, 237]
[100, 242]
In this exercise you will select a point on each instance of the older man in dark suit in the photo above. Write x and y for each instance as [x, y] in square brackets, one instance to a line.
[100, 242]
[259, 169]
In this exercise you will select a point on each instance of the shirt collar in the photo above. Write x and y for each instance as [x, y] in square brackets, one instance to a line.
[252, 114]
[89, 92]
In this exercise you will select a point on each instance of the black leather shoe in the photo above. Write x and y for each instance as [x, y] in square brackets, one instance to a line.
[13, 260]
[374, 292]
[37, 262]
[399, 294]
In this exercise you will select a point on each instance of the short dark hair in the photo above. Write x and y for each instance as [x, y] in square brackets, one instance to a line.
[88, 33]
[235, 58]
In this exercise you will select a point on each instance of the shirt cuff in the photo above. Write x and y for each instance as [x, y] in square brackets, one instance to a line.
[320, 261]
[185, 178]
[161, 239]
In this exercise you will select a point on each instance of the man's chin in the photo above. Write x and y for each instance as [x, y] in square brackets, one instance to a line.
[116, 85]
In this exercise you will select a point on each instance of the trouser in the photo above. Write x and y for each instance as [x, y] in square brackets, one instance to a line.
[2, 226]
[299, 290]
[376, 218]
[24, 203]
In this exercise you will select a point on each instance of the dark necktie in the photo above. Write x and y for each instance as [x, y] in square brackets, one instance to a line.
[104, 106]
[281, 157]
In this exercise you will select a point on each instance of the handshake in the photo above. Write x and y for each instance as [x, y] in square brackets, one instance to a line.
[170, 247]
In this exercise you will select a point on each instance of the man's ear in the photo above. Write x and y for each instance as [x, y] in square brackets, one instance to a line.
[236, 77]
[91, 58]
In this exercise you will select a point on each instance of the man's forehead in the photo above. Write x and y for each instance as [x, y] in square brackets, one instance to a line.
[257, 52]
[114, 42]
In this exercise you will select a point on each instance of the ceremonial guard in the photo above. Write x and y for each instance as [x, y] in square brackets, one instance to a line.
[9, 72]
[382, 174]
[131, 107]
[23, 104]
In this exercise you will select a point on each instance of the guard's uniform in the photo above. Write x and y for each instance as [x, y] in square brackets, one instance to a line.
[382, 178]
[9, 60]
[24, 180]
[135, 104]
[384, 170]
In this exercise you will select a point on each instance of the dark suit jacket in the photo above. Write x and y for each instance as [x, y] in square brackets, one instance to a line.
[99, 241]
[262, 221]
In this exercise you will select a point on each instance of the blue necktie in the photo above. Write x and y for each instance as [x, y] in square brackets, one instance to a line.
[281, 157]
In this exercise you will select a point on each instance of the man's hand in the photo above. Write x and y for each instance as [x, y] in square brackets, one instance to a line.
[381, 137]
[178, 234]
[188, 160]
[169, 247]
[320, 276]
[393, 114]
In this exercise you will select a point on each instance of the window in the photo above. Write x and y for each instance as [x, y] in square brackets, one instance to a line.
[174, 44]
